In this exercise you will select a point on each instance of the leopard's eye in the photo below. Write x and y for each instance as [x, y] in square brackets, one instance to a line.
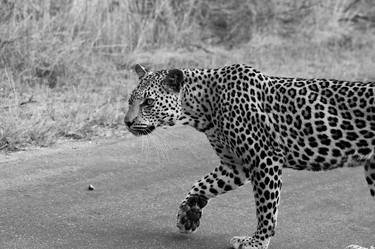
[149, 101]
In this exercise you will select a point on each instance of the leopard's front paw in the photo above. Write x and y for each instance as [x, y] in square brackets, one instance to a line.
[189, 214]
[237, 242]
[188, 218]
[248, 243]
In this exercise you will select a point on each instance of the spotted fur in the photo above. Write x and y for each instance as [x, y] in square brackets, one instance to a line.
[258, 125]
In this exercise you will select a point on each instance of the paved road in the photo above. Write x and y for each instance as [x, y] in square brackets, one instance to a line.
[44, 201]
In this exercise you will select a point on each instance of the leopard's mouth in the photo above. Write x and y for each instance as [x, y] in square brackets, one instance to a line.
[141, 130]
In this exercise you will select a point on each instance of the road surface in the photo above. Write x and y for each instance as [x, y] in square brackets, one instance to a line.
[139, 182]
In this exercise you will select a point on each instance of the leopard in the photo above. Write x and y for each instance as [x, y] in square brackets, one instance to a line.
[257, 125]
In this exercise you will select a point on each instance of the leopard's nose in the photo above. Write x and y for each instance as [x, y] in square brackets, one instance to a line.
[129, 123]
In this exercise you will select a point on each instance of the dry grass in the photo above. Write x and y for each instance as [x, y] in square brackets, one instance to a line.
[75, 112]
[65, 66]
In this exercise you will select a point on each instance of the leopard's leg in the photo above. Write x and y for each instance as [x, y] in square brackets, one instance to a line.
[224, 178]
[370, 175]
[266, 180]
[370, 179]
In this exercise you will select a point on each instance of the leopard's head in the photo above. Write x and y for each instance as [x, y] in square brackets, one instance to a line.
[155, 101]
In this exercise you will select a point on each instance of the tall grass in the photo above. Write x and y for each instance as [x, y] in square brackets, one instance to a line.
[65, 65]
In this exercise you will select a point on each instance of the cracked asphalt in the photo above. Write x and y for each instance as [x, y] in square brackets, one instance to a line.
[139, 182]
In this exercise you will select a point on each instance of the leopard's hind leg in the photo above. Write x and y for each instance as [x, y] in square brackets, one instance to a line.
[370, 175]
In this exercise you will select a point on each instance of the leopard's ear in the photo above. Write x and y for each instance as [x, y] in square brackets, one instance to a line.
[174, 80]
[140, 70]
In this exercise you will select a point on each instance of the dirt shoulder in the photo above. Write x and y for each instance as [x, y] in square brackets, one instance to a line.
[44, 201]
[61, 146]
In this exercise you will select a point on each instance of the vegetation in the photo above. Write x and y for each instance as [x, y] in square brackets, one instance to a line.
[65, 65]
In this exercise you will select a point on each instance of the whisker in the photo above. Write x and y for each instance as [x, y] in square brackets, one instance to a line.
[166, 146]
[156, 147]
[162, 148]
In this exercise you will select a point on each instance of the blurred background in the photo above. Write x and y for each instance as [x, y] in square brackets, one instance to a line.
[66, 65]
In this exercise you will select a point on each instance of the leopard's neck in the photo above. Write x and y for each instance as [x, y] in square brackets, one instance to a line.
[198, 97]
